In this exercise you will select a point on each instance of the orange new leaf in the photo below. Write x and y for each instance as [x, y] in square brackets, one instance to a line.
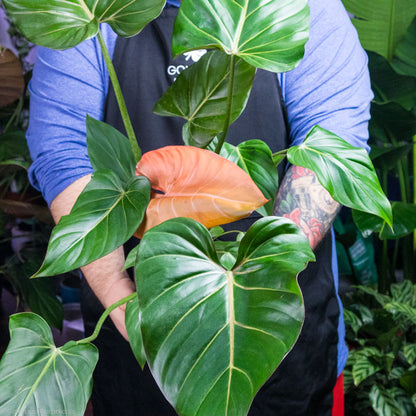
[198, 184]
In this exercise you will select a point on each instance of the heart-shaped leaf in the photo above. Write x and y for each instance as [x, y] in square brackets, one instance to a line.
[134, 332]
[213, 336]
[200, 96]
[196, 183]
[105, 216]
[36, 377]
[266, 34]
[109, 149]
[61, 24]
[404, 222]
[255, 157]
[346, 172]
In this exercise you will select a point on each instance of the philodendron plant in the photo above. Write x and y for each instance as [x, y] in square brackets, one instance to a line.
[213, 320]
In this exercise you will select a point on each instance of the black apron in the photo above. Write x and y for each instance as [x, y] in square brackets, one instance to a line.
[303, 383]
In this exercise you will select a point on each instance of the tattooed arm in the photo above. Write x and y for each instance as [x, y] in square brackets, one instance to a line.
[303, 199]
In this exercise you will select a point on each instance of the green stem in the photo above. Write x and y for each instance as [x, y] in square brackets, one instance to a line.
[228, 232]
[104, 317]
[16, 114]
[383, 272]
[120, 100]
[224, 133]
[414, 187]
[277, 154]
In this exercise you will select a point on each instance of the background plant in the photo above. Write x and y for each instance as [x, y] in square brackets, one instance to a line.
[178, 341]
[25, 221]
[380, 375]
[389, 36]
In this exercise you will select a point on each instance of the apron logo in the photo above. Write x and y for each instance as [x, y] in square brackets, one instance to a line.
[194, 56]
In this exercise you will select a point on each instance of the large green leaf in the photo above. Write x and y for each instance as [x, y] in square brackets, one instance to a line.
[199, 95]
[404, 222]
[388, 85]
[38, 378]
[255, 157]
[382, 25]
[105, 216]
[387, 156]
[266, 34]
[213, 336]
[346, 172]
[38, 294]
[59, 24]
[109, 149]
[134, 332]
[391, 123]
[404, 61]
[13, 145]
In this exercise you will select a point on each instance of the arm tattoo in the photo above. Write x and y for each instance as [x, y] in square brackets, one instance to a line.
[303, 199]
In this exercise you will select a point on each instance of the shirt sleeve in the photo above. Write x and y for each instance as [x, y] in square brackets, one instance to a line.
[66, 85]
[331, 85]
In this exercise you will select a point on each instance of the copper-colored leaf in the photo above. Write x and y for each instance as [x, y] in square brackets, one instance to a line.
[11, 78]
[198, 184]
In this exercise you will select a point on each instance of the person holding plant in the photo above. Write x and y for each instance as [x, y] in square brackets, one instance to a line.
[330, 87]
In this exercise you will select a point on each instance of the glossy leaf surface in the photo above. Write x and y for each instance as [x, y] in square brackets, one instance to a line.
[404, 222]
[381, 28]
[213, 336]
[134, 332]
[255, 157]
[346, 172]
[404, 61]
[198, 184]
[200, 96]
[388, 85]
[266, 34]
[109, 149]
[391, 123]
[61, 24]
[38, 294]
[36, 377]
[105, 216]
[386, 157]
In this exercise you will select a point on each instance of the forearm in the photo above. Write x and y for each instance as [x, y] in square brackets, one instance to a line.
[303, 199]
[105, 276]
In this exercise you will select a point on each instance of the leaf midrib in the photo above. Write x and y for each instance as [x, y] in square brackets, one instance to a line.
[36, 383]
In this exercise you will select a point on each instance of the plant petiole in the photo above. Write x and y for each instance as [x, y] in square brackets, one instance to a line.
[223, 135]
[104, 316]
[120, 99]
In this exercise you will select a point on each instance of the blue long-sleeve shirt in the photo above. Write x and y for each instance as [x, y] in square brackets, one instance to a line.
[330, 87]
